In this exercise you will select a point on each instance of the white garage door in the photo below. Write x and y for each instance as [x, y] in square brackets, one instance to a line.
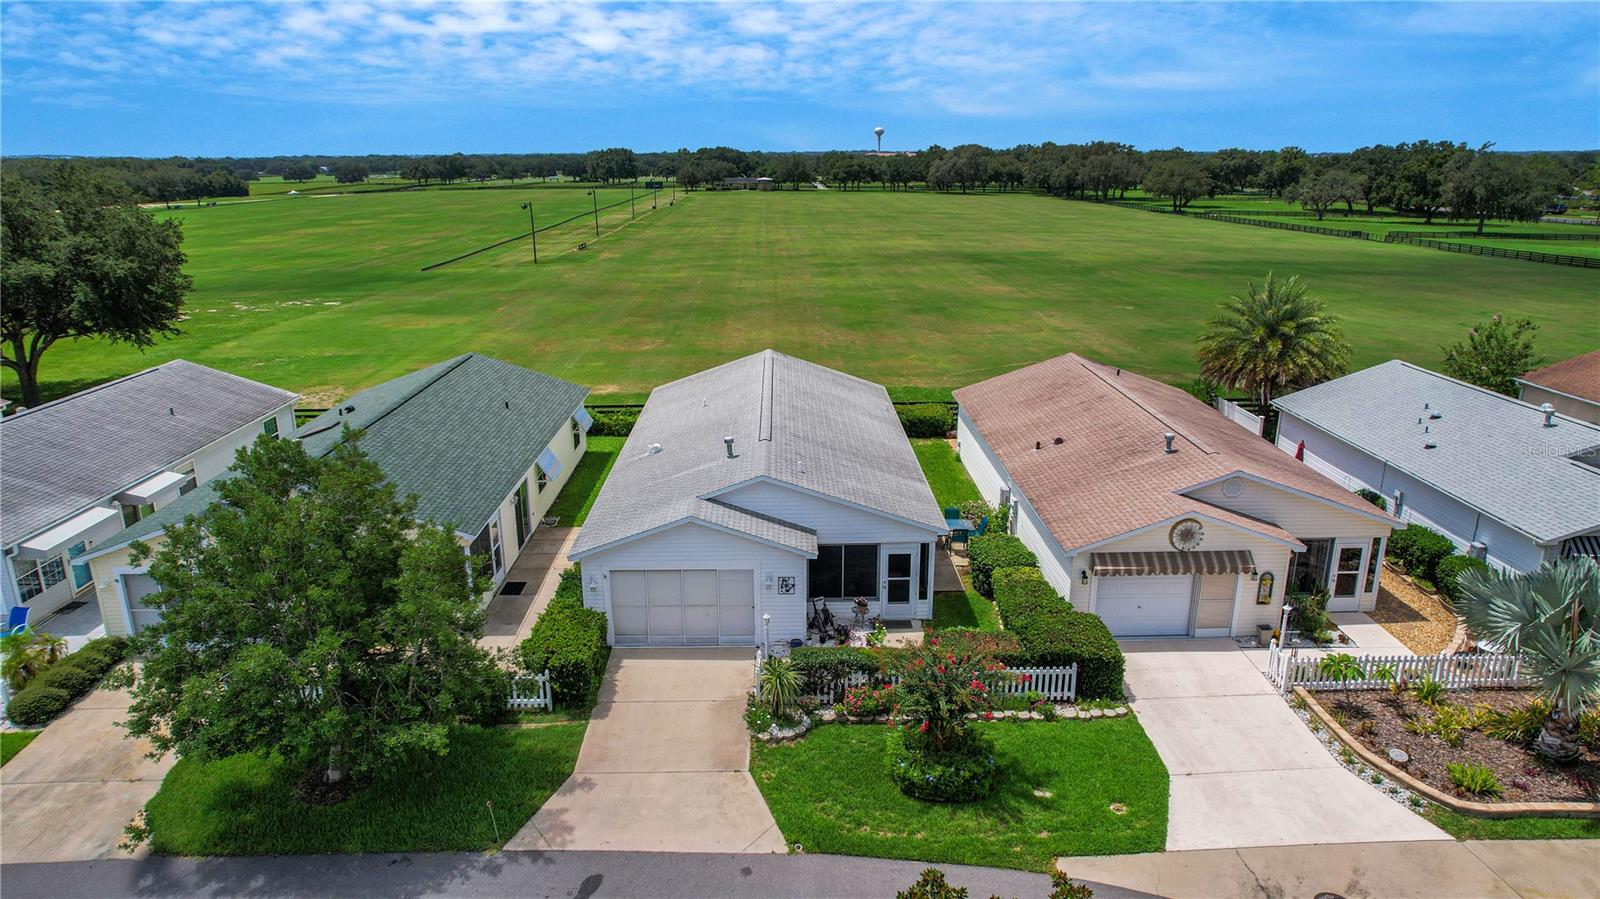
[689, 607]
[1145, 606]
[135, 587]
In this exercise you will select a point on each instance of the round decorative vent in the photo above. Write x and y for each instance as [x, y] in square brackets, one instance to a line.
[1186, 535]
[1233, 487]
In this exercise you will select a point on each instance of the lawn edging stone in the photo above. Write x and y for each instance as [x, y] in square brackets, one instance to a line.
[1433, 794]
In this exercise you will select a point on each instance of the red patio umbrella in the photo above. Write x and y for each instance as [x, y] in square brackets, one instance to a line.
[1300, 452]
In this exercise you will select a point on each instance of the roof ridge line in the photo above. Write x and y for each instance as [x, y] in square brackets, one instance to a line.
[1147, 410]
[408, 397]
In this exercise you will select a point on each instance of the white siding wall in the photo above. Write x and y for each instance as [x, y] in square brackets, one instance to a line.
[979, 460]
[1566, 405]
[695, 546]
[539, 501]
[833, 521]
[213, 460]
[1424, 505]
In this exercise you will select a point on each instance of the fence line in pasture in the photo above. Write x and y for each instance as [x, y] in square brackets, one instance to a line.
[1475, 250]
[1490, 235]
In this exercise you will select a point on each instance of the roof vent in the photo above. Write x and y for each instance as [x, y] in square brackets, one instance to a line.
[170, 411]
[653, 449]
[728, 442]
[1059, 440]
[1435, 415]
[1549, 414]
[1170, 437]
[1430, 443]
[1038, 445]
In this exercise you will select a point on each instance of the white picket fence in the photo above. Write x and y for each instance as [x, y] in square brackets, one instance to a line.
[1236, 413]
[531, 691]
[1287, 670]
[1055, 684]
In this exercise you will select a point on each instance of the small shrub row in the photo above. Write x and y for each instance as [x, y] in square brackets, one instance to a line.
[569, 641]
[1447, 574]
[613, 422]
[1310, 614]
[822, 668]
[927, 419]
[1374, 497]
[1420, 549]
[992, 551]
[1050, 633]
[57, 686]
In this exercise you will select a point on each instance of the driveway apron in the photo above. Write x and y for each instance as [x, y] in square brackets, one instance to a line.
[1245, 770]
[665, 762]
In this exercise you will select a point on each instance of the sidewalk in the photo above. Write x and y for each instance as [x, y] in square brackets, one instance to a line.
[1411, 870]
[511, 616]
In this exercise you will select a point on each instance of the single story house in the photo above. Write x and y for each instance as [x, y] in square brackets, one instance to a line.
[1152, 510]
[748, 489]
[740, 183]
[1571, 386]
[1515, 484]
[483, 444]
[77, 470]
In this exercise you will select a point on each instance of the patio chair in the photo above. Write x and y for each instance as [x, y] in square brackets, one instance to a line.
[17, 621]
[983, 525]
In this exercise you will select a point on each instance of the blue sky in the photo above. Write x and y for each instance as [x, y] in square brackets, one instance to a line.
[355, 77]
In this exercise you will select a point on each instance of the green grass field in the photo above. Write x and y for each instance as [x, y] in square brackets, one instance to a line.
[12, 742]
[933, 291]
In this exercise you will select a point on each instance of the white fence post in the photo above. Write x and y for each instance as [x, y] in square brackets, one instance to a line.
[1058, 684]
[531, 692]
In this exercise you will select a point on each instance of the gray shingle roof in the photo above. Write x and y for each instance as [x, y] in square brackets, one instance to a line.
[1494, 452]
[792, 421]
[62, 457]
[444, 433]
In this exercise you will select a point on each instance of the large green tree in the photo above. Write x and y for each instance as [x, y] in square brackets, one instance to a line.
[79, 259]
[1551, 618]
[1274, 337]
[308, 615]
[1483, 184]
[1180, 179]
[1494, 355]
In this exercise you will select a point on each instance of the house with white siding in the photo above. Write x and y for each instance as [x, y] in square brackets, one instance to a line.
[75, 471]
[484, 445]
[1510, 482]
[1152, 510]
[1571, 386]
[750, 489]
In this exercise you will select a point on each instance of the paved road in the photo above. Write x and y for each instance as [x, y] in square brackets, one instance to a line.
[561, 875]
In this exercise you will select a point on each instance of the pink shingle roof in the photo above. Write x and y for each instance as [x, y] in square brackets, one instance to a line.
[1110, 473]
[1578, 376]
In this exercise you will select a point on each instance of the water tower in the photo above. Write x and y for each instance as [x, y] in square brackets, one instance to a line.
[879, 132]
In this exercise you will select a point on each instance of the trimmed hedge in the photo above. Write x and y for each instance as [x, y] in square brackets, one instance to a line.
[37, 705]
[963, 773]
[927, 419]
[67, 677]
[1374, 497]
[823, 667]
[613, 422]
[1050, 633]
[1447, 574]
[569, 641]
[1420, 549]
[993, 551]
[100, 655]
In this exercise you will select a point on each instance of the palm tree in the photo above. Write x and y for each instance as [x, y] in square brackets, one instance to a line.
[1550, 618]
[1273, 337]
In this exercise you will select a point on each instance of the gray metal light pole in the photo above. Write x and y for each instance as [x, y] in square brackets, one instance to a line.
[631, 213]
[533, 231]
[596, 213]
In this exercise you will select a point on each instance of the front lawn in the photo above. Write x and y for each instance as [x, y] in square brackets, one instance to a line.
[968, 609]
[1469, 827]
[577, 496]
[247, 805]
[11, 743]
[830, 792]
[943, 469]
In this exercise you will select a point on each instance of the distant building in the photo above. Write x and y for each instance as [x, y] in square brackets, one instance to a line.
[1572, 386]
[749, 184]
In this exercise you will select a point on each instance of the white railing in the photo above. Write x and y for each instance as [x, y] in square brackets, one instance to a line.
[531, 691]
[1287, 670]
[1255, 424]
[1056, 684]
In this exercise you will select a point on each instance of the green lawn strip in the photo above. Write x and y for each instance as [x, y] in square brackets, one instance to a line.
[11, 743]
[1469, 827]
[940, 465]
[968, 609]
[830, 792]
[578, 495]
[246, 805]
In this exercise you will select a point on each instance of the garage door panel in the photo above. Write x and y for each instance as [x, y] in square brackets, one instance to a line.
[736, 606]
[700, 606]
[1145, 606]
[671, 607]
[629, 612]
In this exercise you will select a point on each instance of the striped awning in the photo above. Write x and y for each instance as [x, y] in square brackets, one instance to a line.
[1210, 561]
[1587, 545]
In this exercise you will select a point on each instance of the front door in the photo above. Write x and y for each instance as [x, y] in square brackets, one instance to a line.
[899, 580]
[1344, 588]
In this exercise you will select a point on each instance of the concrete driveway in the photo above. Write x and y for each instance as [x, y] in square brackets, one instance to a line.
[665, 762]
[68, 794]
[1245, 770]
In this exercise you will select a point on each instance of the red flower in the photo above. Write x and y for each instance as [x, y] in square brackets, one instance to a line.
[1026, 677]
[988, 716]
[933, 641]
[939, 668]
[924, 727]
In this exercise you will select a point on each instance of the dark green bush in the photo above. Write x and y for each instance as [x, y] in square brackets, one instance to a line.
[569, 641]
[67, 677]
[1049, 634]
[1310, 613]
[993, 551]
[100, 655]
[1374, 497]
[927, 419]
[1420, 549]
[964, 773]
[1447, 574]
[570, 583]
[37, 705]
[613, 422]
[825, 667]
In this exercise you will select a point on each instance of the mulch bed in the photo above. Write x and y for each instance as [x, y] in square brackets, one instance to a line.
[1378, 720]
[1418, 619]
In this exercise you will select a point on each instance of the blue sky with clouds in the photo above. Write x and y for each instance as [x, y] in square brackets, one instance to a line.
[355, 77]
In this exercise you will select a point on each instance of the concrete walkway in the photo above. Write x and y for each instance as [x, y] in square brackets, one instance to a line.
[1550, 869]
[1371, 638]
[68, 794]
[665, 762]
[1245, 770]
[511, 617]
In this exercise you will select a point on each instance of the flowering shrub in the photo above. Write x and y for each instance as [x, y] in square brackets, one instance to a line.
[945, 679]
[866, 700]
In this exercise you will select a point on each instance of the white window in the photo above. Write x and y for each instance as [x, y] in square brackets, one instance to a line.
[270, 426]
[41, 577]
[577, 433]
